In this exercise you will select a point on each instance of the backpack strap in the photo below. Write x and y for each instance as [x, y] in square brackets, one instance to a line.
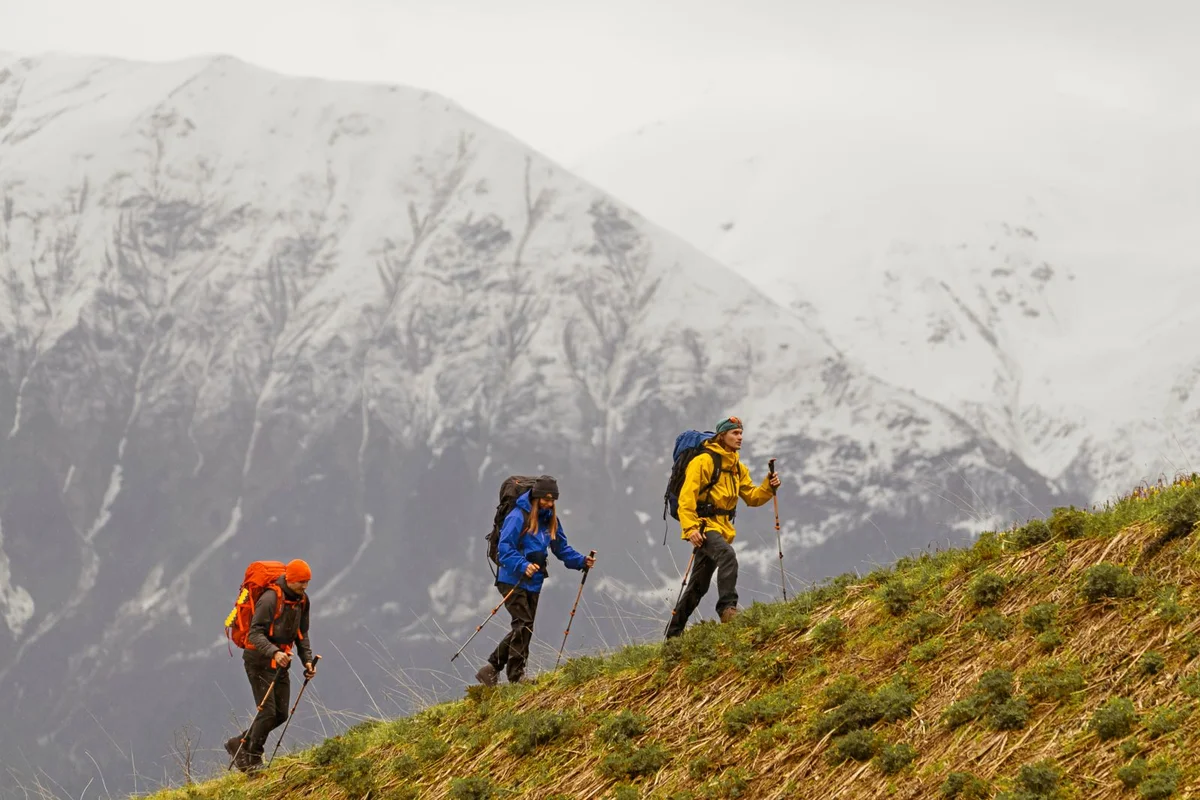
[708, 509]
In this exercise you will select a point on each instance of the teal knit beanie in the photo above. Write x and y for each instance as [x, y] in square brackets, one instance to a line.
[728, 424]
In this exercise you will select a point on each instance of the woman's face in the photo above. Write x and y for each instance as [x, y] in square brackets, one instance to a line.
[546, 502]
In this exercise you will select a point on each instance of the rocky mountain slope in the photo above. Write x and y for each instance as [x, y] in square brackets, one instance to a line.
[247, 316]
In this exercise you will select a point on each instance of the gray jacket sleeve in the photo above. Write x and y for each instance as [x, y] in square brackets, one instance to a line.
[302, 646]
[260, 624]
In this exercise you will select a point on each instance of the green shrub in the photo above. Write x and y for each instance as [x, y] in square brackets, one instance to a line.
[476, 787]
[1068, 523]
[965, 786]
[1040, 618]
[356, 776]
[532, 729]
[1011, 715]
[857, 745]
[1132, 773]
[622, 727]
[829, 634]
[1106, 580]
[894, 757]
[631, 762]
[1151, 663]
[1031, 534]
[922, 626]
[927, 651]
[1166, 720]
[990, 623]
[987, 589]
[1114, 720]
[1052, 682]
[896, 596]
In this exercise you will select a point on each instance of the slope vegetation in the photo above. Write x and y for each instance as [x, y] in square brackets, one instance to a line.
[1053, 660]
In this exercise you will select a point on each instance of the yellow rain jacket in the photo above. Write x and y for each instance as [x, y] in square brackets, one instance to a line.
[734, 482]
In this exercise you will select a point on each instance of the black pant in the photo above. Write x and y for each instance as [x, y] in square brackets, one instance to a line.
[513, 650]
[715, 554]
[275, 711]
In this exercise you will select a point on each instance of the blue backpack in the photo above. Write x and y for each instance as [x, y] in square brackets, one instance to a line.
[688, 445]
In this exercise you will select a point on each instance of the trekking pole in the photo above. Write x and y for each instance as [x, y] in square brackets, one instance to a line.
[242, 742]
[578, 594]
[292, 712]
[489, 616]
[686, 572]
[778, 538]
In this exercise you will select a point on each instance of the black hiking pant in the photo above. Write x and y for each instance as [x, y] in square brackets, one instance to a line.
[513, 650]
[275, 711]
[715, 555]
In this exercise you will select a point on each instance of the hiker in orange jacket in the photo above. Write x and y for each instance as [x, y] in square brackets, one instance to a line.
[268, 655]
[708, 522]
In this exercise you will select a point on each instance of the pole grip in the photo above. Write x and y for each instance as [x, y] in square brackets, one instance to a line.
[771, 467]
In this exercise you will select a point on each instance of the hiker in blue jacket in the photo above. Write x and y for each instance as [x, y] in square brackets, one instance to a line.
[524, 540]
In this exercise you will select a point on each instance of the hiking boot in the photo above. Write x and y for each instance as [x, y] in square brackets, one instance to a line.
[487, 675]
[248, 762]
[232, 745]
[729, 613]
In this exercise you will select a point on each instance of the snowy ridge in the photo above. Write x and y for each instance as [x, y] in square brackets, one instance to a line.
[1020, 270]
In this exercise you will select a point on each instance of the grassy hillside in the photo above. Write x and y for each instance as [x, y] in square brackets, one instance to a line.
[1054, 660]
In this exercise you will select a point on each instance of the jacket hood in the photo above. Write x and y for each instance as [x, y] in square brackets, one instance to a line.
[526, 504]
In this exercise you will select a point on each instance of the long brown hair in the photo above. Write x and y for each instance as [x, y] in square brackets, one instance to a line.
[532, 525]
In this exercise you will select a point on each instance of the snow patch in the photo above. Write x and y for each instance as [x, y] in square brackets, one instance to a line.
[15, 602]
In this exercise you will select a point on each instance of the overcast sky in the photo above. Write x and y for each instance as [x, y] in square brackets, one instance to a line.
[565, 75]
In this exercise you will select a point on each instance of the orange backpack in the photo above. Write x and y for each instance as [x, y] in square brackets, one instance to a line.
[260, 575]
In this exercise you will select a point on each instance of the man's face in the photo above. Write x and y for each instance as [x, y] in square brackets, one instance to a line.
[299, 588]
[733, 439]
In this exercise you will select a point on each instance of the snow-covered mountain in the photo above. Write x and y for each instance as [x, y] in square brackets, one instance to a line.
[247, 316]
[1032, 266]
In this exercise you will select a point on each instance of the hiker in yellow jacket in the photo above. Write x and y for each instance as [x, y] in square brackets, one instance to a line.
[706, 519]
